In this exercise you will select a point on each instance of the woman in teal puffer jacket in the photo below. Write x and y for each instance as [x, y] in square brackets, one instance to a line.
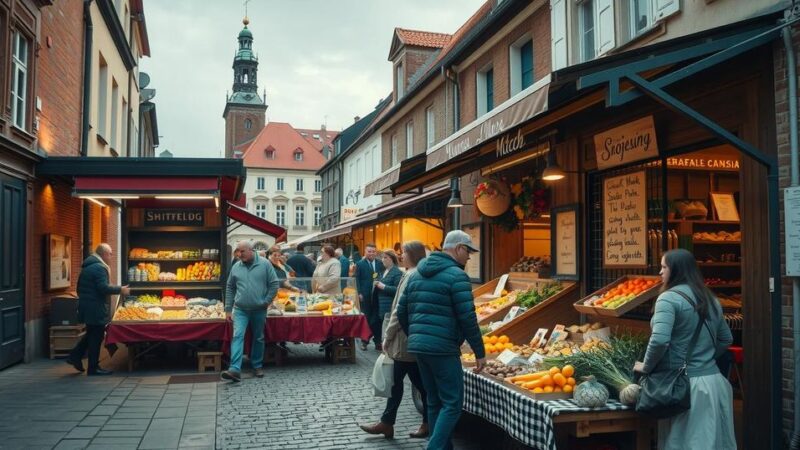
[437, 313]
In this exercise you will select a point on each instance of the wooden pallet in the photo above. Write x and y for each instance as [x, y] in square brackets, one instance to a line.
[63, 338]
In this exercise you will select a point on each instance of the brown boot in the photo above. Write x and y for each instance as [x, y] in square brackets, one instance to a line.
[379, 428]
[421, 433]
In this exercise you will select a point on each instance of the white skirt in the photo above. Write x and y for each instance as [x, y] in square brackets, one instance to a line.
[709, 422]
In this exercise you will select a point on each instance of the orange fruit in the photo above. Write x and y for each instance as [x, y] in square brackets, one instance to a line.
[485, 339]
[568, 371]
[546, 380]
[571, 381]
[568, 388]
[489, 348]
[559, 379]
[493, 340]
[554, 370]
[509, 345]
[548, 389]
[538, 390]
[557, 389]
[503, 339]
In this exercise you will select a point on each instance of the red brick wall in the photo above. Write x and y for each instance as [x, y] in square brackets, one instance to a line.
[110, 232]
[538, 27]
[60, 78]
[435, 99]
[784, 162]
[55, 211]
[414, 59]
[236, 133]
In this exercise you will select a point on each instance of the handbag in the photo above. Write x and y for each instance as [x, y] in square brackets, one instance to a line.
[383, 376]
[667, 393]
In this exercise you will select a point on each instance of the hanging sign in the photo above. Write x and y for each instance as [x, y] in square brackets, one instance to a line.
[349, 213]
[564, 229]
[791, 212]
[631, 142]
[174, 217]
[625, 221]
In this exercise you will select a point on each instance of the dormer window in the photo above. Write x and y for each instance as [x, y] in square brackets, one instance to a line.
[248, 124]
[298, 155]
[269, 154]
[399, 81]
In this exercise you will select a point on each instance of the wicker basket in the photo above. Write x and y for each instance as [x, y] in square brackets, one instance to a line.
[497, 204]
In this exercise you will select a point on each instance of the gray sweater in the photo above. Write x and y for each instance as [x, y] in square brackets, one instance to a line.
[251, 286]
[673, 324]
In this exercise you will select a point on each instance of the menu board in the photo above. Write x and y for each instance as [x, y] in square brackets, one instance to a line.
[725, 206]
[473, 266]
[625, 221]
[565, 242]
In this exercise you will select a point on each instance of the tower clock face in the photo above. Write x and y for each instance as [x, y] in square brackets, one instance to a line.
[248, 97]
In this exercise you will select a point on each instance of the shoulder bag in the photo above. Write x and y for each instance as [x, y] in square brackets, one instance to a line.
[666, 393]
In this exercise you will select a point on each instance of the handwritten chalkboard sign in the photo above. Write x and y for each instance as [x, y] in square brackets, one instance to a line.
[564, 230]
[625, 221]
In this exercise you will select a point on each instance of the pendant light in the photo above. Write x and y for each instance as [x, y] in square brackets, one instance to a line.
[553, 172]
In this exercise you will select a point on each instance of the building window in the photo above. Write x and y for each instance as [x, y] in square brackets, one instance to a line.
[299, 216]
[260, 183]
[269, 154]
[114, 113]
[639, 16]
[279, 186]
[261, 210]
[393, 155]
[521, 62]
[248, 124]
[400, 81]
[317, 185]
[280, 215]
[409, 139]
[19, 86]
[586, 28]
[485, 91]
[298, 156]
[298, 185]
[317, 215]
[102, 98]
[430, 127]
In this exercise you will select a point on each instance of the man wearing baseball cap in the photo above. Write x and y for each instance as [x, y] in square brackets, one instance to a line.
[437, 313]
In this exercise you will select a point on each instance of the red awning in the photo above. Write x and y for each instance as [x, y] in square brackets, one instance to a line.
[146, 185]
[253, 221]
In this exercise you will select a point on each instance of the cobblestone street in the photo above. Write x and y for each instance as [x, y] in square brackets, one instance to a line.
[306, 403]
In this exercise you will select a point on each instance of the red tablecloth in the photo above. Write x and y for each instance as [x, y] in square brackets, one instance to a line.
[310, 329]
[166, 331]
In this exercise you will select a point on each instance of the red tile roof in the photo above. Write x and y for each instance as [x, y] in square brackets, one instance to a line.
[285, 140]
[326, 136]
[422, 38]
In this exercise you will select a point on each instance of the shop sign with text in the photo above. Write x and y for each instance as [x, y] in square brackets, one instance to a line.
[349, 213]
[680, 162]
[175, 217]
[625, 144]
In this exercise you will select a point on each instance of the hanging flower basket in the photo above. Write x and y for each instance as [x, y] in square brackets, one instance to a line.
[492, 198]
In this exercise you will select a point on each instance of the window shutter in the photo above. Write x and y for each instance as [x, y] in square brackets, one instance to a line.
[604, 26]
[558, 25]
[665, 8]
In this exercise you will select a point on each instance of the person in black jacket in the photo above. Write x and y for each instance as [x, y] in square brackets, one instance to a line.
[386, 285]
[93, 301]
[303, 268]
[367, 271]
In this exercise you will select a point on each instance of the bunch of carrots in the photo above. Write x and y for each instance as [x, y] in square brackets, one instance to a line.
[556, 379]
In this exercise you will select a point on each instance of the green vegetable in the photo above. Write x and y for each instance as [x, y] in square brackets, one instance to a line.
[534, 296]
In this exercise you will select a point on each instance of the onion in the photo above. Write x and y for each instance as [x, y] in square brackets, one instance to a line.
[629, 394]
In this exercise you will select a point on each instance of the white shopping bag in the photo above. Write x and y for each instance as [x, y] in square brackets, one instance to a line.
[383, 376]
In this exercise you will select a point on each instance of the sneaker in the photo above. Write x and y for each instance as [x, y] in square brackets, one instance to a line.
[258, 373]
[231, 376]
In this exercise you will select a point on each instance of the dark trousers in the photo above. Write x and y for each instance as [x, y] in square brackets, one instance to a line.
[374, 320]
[444, 383]
[401, 369]
[89, 343]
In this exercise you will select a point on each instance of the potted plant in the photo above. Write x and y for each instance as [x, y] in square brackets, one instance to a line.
[492, 198]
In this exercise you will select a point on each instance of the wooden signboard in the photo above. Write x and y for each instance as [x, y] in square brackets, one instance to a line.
[631, 142]
[725, 206]
[473, 266]
[564, 229]
[625, 221]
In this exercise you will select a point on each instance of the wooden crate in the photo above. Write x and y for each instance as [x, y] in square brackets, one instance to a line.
[63, 338]
[618, 312]
[516, 281]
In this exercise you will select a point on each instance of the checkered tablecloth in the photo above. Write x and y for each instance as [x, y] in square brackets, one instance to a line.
[525, 419]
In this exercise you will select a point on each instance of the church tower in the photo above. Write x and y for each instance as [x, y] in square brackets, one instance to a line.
[245, 111]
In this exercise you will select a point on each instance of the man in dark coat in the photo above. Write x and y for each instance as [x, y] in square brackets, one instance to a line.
[303, 268]
[437, 313]
[367, 272]
[345, 263]
[94, 292]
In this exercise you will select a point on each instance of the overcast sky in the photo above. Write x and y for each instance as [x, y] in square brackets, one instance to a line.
[321, 61]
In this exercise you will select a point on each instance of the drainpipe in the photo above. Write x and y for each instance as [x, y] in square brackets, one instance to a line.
[88, 30]
[791, 76]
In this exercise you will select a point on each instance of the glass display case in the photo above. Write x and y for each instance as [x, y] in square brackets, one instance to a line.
[315, 296]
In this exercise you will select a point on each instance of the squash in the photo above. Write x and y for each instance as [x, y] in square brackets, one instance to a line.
[590, 393]
[322, 306]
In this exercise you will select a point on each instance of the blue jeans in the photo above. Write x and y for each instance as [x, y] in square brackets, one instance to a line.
[256, 320]
[444, 382]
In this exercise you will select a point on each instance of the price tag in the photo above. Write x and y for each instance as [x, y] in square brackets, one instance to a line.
[507, 356]
[513, 313]
[535, 359]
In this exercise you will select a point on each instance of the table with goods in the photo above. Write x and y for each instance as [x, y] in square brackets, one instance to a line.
[548, 383]
[295, 315]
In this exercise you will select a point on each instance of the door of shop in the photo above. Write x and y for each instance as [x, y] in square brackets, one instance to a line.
[12, 270]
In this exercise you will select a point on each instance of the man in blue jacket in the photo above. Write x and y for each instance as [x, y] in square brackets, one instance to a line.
[437, 313]
[367, 272]
[251, 286]
[93, 308]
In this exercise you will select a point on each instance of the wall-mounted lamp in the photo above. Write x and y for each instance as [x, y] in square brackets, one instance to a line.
[553, 172]
[455, 194]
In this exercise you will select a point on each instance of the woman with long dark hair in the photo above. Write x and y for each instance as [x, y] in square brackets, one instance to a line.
[395, 345]
[683, 302]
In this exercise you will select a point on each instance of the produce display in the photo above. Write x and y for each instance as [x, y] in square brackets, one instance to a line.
[174, 315]
[173, 301]
[132, 313]
[486, 309]
[496, 344]
[154, 307]
[201, 312]
[554, 379]
[590, 394]
[143, 253]
[287, 301]
[574, 329]
[532, 264]
[497, 369]
[718, 236]
[534, 296]
[622, 293]
[199, 271]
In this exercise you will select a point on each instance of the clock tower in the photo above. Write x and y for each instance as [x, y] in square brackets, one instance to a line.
[245, 111]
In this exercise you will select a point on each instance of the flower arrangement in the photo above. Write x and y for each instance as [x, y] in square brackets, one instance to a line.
[492, 197]
[530, 198]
